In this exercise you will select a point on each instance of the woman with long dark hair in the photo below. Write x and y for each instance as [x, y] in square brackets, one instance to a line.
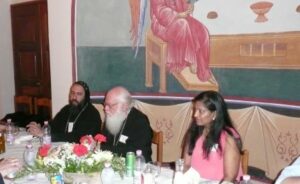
[213, 145]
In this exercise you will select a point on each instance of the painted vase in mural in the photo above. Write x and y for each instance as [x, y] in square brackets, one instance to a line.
[261, 8]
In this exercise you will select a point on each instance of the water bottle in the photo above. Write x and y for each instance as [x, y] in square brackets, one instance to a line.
[139, 160]
[47, 133]
[139, 167]
[29, 155]
[178, 176]
[246, 179]
[9, 134]
[107, 174]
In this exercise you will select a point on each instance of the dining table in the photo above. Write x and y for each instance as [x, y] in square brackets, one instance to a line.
[166, 177]
[22, 138]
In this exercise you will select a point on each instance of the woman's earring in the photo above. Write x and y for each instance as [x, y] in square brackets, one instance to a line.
[213, 118]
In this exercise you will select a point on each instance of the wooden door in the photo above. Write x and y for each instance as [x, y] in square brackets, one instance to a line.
[31, 48]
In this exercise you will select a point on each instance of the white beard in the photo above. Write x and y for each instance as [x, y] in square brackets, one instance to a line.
[115, 122]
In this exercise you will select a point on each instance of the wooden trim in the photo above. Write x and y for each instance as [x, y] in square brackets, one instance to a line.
[267, 50]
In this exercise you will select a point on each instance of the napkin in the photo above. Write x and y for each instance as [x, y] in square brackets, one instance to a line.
[191, 176]
[23, 138]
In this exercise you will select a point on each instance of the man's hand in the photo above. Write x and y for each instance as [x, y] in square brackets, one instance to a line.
[35, 129]
[9, 165]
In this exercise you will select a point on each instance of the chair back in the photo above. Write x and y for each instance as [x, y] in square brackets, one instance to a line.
[24, 103]
[158, 140]
[43, 107]
[100, 109]
[245, 161]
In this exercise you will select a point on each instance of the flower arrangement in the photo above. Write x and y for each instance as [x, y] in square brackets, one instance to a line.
[85, 157]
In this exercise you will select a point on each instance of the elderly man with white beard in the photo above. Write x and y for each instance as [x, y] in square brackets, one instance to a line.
[126, 128]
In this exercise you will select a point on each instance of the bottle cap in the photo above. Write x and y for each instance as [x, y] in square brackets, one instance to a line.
[106, 164]
[28, 145]
[138, 152]
[246, 177]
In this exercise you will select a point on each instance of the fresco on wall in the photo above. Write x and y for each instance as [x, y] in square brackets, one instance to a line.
[186, 39]
[245, 54]
[261, 8]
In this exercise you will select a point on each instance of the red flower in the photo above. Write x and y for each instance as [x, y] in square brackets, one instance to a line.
[80, 150]
[100, 138]
[43, 150]
[86, 139]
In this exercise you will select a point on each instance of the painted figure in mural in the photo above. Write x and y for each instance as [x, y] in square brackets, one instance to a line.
[213, 145]
[187, 38]
[138, 13]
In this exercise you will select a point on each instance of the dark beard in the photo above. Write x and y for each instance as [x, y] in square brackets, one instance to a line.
[75, 110]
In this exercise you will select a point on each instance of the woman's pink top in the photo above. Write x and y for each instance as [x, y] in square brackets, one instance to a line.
[213, 167]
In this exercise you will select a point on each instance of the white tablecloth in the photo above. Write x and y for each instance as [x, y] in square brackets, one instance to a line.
[21, 139]
[16, 150]
[165, 177]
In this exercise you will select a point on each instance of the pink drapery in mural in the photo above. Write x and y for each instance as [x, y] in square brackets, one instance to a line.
[187, 38]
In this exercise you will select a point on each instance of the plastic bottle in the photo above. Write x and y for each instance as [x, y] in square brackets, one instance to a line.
[139, 160]
[29, 155]
[139, 167]
[107, 174]
[10, 138]
[178, 176]
[47, 133]
[246, 179]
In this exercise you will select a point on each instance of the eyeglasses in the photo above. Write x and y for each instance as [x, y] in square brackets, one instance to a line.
[110, 106]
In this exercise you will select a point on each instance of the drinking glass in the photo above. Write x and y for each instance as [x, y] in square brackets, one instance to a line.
[155, 168]
[148, 177]
[15, 129]
[179, 165]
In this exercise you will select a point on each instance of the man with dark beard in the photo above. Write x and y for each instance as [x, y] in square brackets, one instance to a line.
[126, 128]
[74, 120]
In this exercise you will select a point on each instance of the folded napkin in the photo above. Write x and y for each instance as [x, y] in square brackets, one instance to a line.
[23, 138]
[191, 176]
